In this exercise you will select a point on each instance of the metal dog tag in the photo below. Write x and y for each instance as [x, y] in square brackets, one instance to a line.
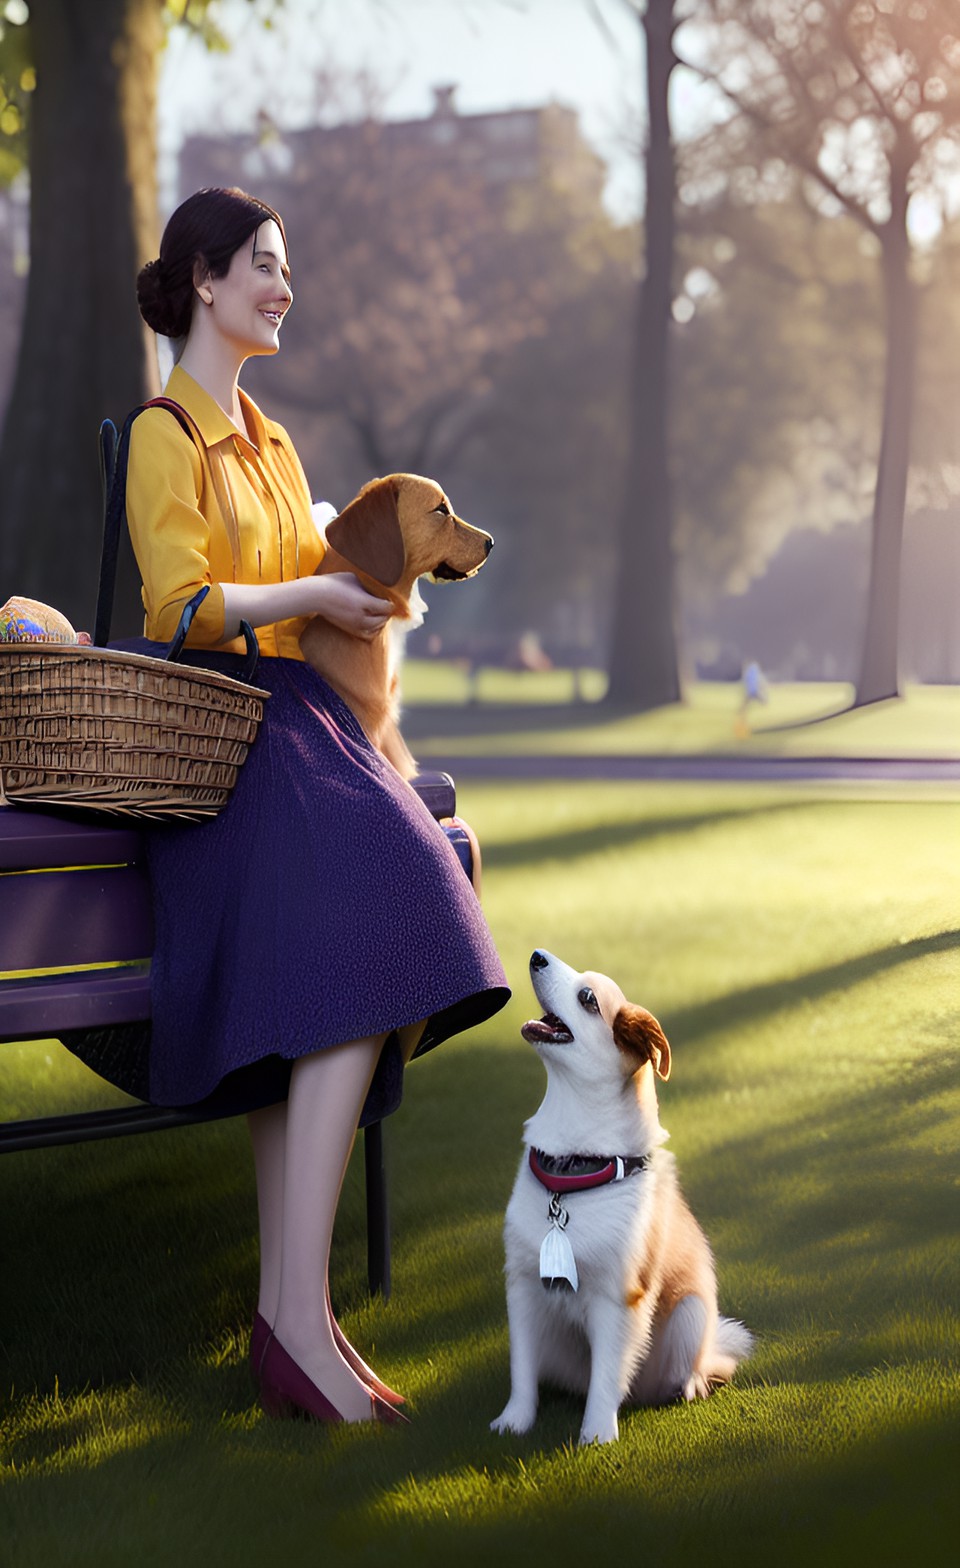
[558, 1266]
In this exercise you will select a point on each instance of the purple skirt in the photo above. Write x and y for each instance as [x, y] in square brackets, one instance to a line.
[321, 905]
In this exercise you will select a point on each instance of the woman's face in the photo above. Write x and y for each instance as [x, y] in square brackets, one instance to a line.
[249, 303]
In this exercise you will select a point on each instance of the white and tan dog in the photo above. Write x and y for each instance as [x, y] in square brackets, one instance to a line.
[611, 1289]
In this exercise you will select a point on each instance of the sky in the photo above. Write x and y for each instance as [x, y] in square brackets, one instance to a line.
[586, 54]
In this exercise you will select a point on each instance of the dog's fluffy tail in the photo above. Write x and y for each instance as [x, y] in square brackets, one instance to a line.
[732, 1345]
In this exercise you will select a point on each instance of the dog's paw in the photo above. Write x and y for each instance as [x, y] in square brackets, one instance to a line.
[606, 1431]
[514, 1418]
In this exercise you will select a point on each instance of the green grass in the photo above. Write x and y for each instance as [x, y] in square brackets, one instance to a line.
[800, 948]
[523, 712]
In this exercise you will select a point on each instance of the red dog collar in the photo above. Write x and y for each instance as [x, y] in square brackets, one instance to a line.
[578, 1172]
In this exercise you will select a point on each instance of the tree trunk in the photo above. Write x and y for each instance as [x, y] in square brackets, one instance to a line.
[879, 674]
[643, 659]
[84, 352]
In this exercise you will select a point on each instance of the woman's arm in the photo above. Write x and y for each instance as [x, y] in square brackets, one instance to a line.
[172, 541]
[337, 596]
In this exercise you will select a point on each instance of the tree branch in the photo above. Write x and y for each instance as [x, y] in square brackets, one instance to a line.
[788, 148]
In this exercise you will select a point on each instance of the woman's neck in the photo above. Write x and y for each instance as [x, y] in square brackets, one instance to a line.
[214, 367]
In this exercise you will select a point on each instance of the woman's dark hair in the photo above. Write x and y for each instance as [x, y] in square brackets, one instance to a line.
[209, 228]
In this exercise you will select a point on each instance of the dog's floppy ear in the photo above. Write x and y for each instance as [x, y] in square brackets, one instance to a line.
[367, 532]
[639, 1036]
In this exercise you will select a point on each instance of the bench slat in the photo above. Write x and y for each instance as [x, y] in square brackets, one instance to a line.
[33, 840]
[43, 1132]
[62, 919]
[38, 1009]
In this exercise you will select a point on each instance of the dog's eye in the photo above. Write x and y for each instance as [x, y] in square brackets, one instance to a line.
[443, 509]
[587, 999]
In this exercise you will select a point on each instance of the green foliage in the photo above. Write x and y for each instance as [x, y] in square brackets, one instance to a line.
[200, 16]
[800, 950]
[17, 82]
[18, 77]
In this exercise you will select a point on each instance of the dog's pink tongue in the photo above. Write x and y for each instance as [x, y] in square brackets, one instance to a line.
[535, 1029]
[543, 1029]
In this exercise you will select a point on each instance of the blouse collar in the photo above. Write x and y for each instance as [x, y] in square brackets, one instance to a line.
[213, 424]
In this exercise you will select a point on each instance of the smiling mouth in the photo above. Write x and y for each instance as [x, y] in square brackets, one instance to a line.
[548, 1030]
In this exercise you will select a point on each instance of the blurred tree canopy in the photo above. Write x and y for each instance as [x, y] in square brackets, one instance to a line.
[781, 354]
[415, 283]
[453, 319]
[863, 100]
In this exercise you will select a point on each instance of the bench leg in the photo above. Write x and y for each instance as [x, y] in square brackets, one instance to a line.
[378, 1217]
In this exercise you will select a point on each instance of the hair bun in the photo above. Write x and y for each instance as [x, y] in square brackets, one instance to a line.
[160, 307]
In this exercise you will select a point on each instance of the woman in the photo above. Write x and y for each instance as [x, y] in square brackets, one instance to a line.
[319, 931]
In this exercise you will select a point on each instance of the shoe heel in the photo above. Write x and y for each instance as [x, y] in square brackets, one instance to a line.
[285, 1389]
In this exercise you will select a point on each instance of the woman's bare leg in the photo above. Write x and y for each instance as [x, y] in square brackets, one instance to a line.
[268, 1135]
[327, 1091]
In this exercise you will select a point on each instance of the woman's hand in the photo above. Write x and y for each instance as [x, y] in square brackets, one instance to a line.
[346, 604]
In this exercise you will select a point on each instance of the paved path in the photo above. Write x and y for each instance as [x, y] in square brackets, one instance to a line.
[944, 770]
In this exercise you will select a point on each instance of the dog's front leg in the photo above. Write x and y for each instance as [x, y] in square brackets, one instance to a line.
[523, 1307]
[606, 1331]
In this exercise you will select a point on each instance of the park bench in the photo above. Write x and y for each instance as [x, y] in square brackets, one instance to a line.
[76, 936]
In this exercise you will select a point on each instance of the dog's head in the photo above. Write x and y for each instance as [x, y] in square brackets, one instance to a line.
[403, 527]
[588, 1026]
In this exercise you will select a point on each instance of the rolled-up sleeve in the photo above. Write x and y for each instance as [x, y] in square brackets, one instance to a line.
[170, 535]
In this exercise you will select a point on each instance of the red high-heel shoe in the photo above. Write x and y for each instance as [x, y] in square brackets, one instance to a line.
[261, 1333]
[286, 1390]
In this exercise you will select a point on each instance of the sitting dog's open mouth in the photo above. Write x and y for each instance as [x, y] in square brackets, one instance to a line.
[549, 1030]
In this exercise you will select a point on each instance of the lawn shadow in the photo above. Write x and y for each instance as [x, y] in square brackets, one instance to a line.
[747, 1006]
[125, 1255]
[810, 723]
[572, 843]
[460, 721]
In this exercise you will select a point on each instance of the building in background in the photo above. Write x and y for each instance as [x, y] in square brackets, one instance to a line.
[503, 149]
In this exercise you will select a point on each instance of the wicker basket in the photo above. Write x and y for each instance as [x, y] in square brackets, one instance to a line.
[98, 729]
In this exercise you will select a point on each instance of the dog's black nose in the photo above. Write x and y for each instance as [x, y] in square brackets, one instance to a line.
[538, 960]
[488, 546]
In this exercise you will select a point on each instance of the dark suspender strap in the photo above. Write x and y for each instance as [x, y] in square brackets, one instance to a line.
[114, 456]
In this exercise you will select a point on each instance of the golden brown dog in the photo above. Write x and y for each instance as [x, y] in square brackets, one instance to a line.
[396, 530]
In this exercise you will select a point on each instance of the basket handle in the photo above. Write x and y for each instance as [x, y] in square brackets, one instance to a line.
[186, 620]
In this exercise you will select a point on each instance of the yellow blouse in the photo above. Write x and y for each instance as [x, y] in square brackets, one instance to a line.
[222, 510]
